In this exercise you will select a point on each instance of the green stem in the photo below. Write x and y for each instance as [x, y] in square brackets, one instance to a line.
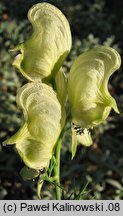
[39, 187]
[57, 169]
[57, 166]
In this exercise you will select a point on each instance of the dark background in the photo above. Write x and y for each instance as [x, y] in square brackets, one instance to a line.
[93, 22]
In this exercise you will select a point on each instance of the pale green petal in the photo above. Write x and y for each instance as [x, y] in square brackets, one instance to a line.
[28, 174]
[61, 89]
[83, 139]
[90, 100]
[44, 52]
[36, 139]
[21, 134]
[74, 143]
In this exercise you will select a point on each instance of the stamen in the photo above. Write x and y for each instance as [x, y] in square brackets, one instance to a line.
[79, 130]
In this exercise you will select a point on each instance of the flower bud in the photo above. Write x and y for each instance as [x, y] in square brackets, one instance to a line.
[61, 89]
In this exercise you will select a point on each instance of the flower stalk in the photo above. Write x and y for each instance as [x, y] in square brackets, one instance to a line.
[57, 169]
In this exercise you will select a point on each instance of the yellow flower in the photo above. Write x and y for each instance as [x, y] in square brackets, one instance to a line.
[37, 137]
[44, 52]
[90, 100]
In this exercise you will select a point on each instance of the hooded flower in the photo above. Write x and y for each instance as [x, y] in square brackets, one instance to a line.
[90, 100]
[44, 52]
[36, 139]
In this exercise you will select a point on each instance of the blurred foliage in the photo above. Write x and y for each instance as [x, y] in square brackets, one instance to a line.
[93, 22]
